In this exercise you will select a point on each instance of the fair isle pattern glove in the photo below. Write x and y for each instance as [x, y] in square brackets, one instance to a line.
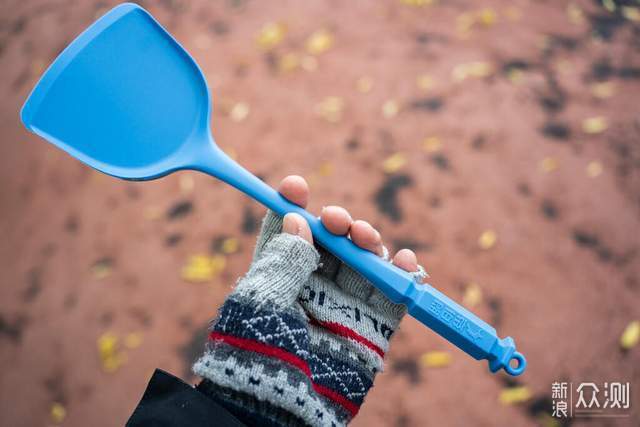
[300, 339]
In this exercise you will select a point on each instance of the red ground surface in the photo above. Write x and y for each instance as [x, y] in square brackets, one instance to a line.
[82, 254]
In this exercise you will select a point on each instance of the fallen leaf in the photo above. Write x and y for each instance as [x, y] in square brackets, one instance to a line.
[487, 239]
[464, 24]
[549, 164]
[364, 84]
[288, 62]
[472, 295]
[594, 125]
[631, 335]
[515, 76]
[513, 395]
[102, 268]
[325, 169]
[594, 169]
[319, 42]
[432, 144]
[152, 213]
[575, 14]
[133, 340]
[477, 69]
[331, 108]
[487, 17]
[239, 111]
[57, 412]
[230, 245]
[610, 5]
[631, 13]
[425, 82]
[394, 163]
[271, 35]
[436, 359]
[110, 355]
[203, 268]
[603, 90]
[390, 108]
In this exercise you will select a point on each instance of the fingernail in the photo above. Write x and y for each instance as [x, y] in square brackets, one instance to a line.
[290, 225]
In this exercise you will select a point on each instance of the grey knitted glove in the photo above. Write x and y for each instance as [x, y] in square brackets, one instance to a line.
[300, 339]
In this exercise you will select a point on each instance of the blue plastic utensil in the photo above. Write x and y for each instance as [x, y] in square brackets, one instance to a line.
[126, 99]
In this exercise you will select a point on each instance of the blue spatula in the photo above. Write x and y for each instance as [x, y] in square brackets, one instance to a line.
[126, 99]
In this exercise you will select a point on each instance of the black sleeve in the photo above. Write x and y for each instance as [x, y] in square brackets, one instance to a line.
[168, 402]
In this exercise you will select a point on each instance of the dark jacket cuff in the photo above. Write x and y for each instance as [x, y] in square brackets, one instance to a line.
[168, 401]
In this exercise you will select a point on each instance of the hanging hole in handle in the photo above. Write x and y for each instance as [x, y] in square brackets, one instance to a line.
[517, 364]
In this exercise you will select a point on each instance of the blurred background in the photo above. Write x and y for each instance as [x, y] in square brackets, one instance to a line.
[499, 139]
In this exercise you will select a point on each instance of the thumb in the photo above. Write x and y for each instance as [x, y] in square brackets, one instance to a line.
[284, 265]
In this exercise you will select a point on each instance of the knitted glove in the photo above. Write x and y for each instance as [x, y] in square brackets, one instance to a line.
[300, 339]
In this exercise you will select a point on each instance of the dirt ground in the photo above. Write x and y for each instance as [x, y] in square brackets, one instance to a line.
[499, 139]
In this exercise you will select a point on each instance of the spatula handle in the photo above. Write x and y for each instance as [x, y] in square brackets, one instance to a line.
[425, 303]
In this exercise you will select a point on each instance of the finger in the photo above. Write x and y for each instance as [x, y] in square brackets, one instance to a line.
[336, 219]
[367, 237]
[295, 189]
[295, 224]
[406, 259]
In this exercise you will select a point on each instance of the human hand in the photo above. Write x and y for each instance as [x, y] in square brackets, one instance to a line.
[302, 336]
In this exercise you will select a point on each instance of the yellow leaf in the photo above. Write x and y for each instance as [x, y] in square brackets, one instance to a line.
[394, 163]
[432, 144]
[472, 295]
[110, 356]
[239, 111]
[107, 343]
[515, 76]
[487, 239]
[603, 90]
[102, 268]
[325, 169]
[487, 17]
[424, 82]
[464, 24]
[133, 340]
[390, 108]
[610, 5]
[549, 164]
[203, 268]
[594, 169]
[152, 213]
[477, 69]
[631, 335]
[631, 13]
[57, 413]
[271, 34]
[575, 14]
[513, 395]
[288, 62]
[230, 245]
[436, 359]
[319, 42]
[595, 125]
[331, 108]
[364, 84]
